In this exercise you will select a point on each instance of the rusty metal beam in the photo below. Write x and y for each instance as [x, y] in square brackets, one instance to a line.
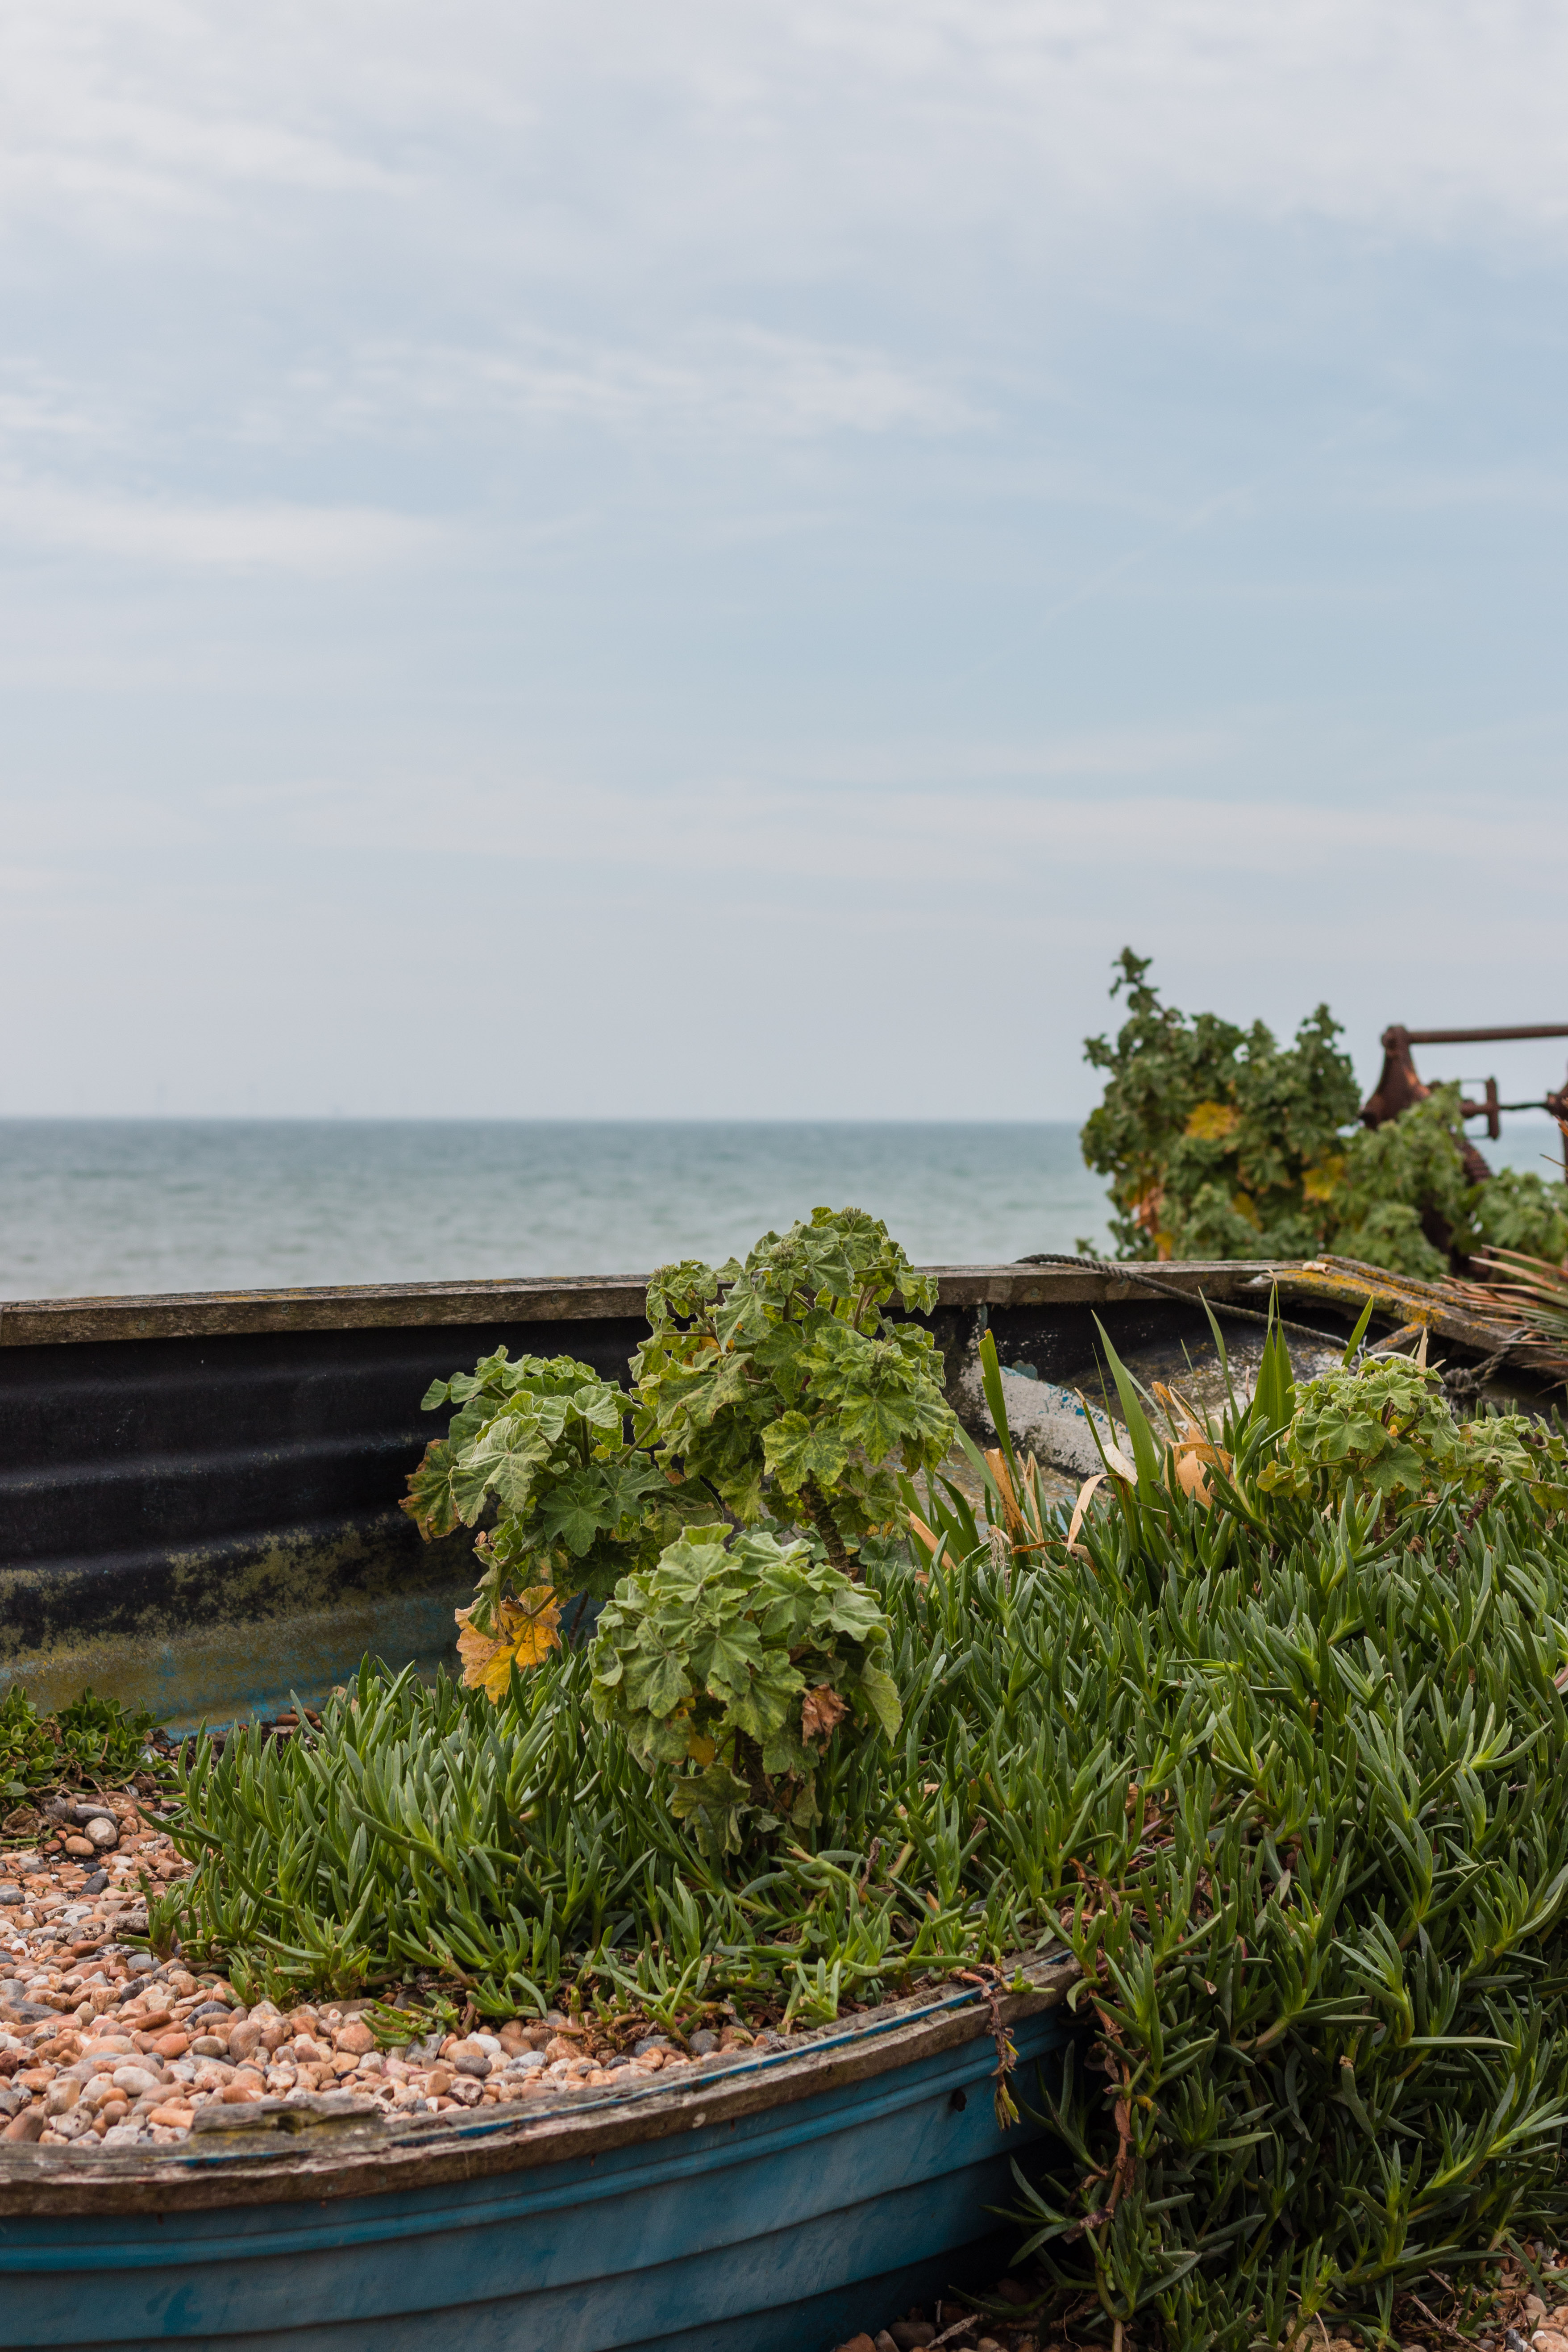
[1481, 1036]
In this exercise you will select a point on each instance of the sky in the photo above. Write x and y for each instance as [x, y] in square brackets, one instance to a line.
[571, 561]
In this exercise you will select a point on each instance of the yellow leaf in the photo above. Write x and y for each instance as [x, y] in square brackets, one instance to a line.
[1245, 1207]
[995, 1462]
[1085, 1497]
[1211, 1122]
[528, 1629]
[1193, 1454]
[1319, 1184]
[699, 1747]
[1193, 1480]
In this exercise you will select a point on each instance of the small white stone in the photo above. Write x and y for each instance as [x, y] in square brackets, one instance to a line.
[136, 2082]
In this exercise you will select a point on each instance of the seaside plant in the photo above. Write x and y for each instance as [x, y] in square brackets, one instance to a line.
[1278, 1752]
[87, 1741]
[1220, 1142]
[732, 1662]
[536, 1450]
[776, 1396]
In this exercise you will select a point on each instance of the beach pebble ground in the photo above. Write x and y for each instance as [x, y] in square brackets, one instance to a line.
[98, 2038]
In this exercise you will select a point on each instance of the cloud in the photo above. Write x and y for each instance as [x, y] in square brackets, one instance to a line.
[984, 836]
[790, 128]
[137, 109]
[1433, 115]
[733, 379]
[263, 537]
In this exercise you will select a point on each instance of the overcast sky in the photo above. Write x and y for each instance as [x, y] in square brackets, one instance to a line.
[606, 558]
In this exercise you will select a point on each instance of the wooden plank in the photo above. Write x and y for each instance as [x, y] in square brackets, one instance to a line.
[1049, 1286]
[210, 1314]
[1348, 1283]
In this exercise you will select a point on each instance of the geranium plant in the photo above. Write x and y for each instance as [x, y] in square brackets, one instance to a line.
[1221, 1142]
[775, 1392]
[536, 1449]
[731, 1663]
[1385, 1428]
[782, 1387]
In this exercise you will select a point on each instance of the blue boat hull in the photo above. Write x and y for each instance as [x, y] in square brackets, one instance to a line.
[780, 2229]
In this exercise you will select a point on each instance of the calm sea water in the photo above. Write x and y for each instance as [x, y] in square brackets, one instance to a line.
[91, 1206]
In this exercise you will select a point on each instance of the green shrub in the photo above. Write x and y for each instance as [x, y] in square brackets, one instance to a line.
[733, 1661]
[1519, 1211]
[774, 1392]
[537, 1447]
[1213, 1135]
[1220, 1143]
[781, 1387]
[1385, 1429]
[1397, 1185]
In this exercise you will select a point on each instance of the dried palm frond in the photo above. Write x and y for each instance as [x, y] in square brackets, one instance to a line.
[1530, 1292]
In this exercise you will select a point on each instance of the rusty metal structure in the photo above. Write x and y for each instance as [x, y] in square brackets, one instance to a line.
[1400, 1084]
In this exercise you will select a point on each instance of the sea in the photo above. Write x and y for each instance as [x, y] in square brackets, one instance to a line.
[110, 1207]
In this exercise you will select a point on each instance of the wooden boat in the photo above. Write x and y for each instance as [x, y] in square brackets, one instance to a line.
[766, 2207]
[198, 1511]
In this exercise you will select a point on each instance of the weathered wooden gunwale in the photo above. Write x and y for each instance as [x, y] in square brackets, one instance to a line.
[354, 1307]
[1348, 1283]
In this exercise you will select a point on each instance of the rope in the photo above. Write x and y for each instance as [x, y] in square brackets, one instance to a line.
[1466, 1380]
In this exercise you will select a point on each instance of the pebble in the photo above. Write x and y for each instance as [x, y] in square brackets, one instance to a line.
[469, 2059]
[135, 2081]
[139, 2049]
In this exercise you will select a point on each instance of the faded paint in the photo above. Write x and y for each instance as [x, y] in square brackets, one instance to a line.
[231, 1668]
